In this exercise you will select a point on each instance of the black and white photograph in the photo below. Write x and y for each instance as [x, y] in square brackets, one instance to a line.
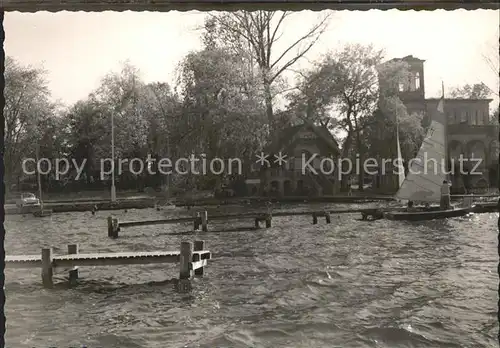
[251, 179]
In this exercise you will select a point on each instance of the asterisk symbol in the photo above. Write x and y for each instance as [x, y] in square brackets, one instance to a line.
[262, 159]
[280, 158]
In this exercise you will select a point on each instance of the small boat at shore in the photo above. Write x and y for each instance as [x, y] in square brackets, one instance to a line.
[429, 214]
[425, 178]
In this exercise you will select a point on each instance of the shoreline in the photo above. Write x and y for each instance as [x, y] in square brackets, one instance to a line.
[144, 202]
[286, 199]
[63, 206]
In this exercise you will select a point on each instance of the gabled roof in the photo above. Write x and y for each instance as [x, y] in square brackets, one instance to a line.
[287, 134]
[283, 137]
[324, 133]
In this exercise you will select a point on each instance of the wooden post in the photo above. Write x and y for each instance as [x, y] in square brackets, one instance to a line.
[196, 224]
[315, 218]
[73, 273]
[116, 228]
[185, 257]
[269, 218]
[199, 245]
[110, 227]
[204, 221]
[327, 217]
[47, 270]
[113, 227]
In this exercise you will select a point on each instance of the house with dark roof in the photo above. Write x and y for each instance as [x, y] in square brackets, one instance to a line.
[301, 162]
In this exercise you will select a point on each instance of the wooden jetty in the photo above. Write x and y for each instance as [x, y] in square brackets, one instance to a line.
[287, 199]
[201, 219]
[192, 259]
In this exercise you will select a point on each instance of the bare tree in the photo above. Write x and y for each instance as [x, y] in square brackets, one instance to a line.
[256, 34]
[475, 91]
[492, 60]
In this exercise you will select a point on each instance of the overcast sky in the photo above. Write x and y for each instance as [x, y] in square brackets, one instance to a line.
[78, 49]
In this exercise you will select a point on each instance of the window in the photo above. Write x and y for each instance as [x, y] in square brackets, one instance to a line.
[401, 87]
[411, 82]
[473, 119]
[464, 117]
[417, 81]
[484, 119]
[457, 119]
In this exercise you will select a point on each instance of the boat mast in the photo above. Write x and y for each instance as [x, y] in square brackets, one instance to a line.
[446, 156]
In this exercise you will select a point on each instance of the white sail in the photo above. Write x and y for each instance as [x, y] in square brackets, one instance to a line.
[401, 172]
[428, 170]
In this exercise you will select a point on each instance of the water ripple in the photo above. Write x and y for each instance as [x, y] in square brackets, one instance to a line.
[346, 284]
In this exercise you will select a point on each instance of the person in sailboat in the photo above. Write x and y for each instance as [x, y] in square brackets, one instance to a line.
[445, 196]
[411, 207]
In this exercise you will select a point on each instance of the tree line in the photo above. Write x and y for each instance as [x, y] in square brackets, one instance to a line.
[230, 98]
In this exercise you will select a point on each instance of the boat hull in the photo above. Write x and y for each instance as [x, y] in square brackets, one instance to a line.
[427, 215]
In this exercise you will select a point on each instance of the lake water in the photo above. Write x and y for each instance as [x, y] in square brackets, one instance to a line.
[346, 284]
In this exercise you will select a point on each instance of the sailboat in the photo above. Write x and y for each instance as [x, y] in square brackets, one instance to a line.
[375, 214]
[423, 183]
[42, 212]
